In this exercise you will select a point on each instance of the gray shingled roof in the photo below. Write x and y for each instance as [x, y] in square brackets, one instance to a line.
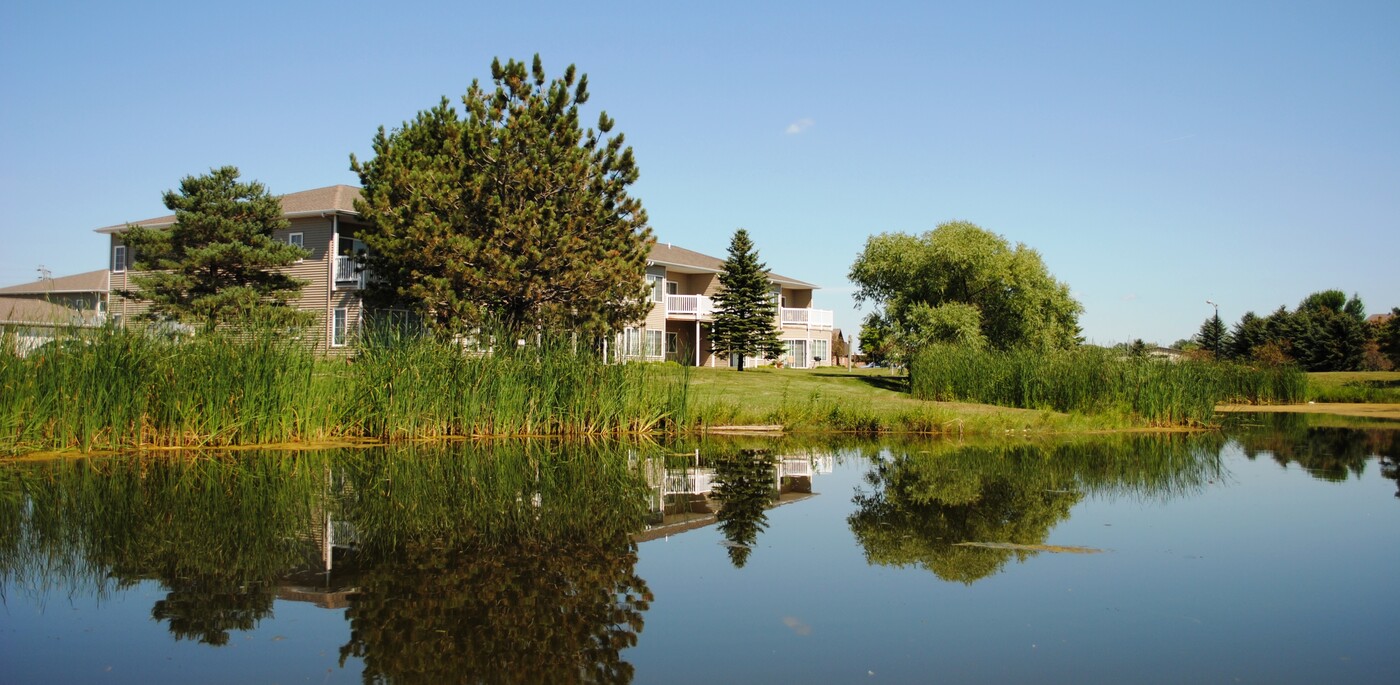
[90, 282]
[339, 198]
[670, 255]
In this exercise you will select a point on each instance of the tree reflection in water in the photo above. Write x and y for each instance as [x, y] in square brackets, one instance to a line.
[922, 502]
[1328, 452]
[505, 566]
[745, 485]
[505, 563]
[215, 532]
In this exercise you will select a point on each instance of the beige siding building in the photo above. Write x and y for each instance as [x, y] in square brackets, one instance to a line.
[683, 285]
[36, 312]
[324, 222]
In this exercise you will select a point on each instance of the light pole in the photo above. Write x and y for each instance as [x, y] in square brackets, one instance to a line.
[1217, 328]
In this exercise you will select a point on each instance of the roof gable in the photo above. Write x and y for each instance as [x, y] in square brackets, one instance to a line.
[90, 282]
[330, 199]
[670, 255]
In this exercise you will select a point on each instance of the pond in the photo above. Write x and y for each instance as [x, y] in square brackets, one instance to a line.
[1263, 553]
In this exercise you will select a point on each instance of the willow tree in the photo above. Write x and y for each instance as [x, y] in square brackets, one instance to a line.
[960, 283]
[509, 213]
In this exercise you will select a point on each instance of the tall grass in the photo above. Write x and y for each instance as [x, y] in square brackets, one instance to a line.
[405, 386]
[116, 388]
[111, 388]
[1092, 380]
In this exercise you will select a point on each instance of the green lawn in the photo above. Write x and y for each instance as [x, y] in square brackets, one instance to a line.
[864, 400]
[1378, 387]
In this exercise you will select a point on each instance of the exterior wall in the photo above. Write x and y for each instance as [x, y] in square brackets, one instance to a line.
[798, 298]
[121, 309]
[319, 295]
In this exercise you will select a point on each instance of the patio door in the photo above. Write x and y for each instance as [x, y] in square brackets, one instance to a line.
[797, 354]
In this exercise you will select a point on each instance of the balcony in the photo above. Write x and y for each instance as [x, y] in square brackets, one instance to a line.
[689, 307]
[812, 319]
[346, 275]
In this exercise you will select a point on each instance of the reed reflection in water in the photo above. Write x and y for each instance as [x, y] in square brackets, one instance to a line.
[508, 559]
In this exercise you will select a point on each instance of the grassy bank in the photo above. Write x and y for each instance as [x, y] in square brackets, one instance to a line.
[113, 389]
[1374, 387]
[1099, 382]
[858, 401]
[116, 389]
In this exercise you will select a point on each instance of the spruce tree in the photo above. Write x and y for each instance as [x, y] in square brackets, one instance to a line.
[217, 264]
[746, 314]
[744, 487]
[1213, 336]
[509, 213]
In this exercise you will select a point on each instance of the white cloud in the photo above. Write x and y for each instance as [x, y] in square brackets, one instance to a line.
[799, 126]
[1130, 297]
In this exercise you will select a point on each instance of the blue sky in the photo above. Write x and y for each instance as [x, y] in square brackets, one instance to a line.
[1157, 156]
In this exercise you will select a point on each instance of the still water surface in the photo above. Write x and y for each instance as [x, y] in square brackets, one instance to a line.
[1266, 554]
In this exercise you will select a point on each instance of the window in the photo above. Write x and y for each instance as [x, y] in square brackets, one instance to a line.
[629, 343]
[298, 240]
[338, 325]
[654, 339]
[658, 293]
[672, 288]
[119, 259]
[819, 349]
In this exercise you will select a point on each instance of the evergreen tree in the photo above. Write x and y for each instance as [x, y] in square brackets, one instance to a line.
[1250, 333]
[1213, 336]
[746, 314]
[217, 263]
[1388, 337]
[1329, 332]
[509, 214]
[744, 487]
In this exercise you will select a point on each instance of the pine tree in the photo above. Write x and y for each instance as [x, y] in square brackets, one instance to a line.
[511, 215]
[744, 487]
[217, 264]
[745, 320]
[1213, 336]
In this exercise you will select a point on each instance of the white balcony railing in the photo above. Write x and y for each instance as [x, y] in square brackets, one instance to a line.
[822, 319]
[345, 274]
[689, 306]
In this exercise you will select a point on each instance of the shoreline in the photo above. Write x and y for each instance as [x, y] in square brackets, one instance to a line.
[1357, 409]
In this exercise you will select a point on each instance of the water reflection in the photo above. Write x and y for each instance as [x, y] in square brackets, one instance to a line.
[215, 533]
[731, 484]
[925, 500]
[518, 562]
[1330, 448]
[509, 562]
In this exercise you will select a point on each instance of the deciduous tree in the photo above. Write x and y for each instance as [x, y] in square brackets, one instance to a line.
[746, 316]
[508, 213]
[962, 283]
[218, 263]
